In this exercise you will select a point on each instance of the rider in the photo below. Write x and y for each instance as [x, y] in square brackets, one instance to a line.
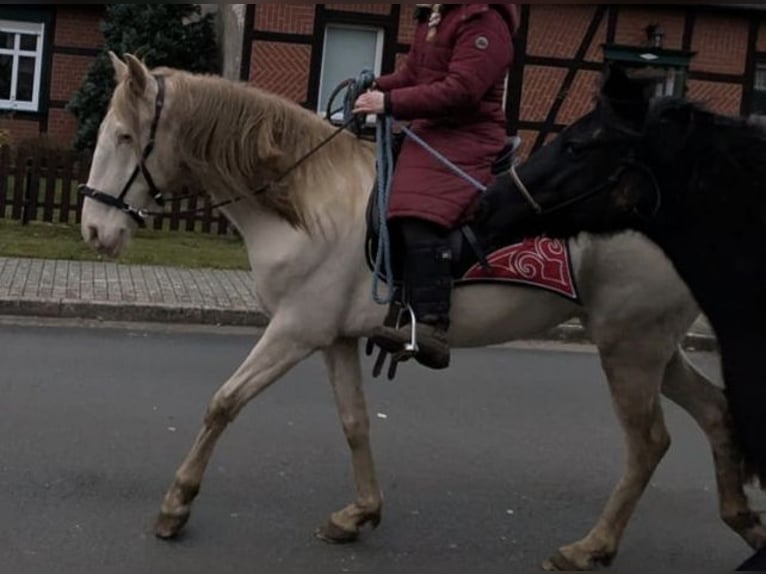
[451, 88]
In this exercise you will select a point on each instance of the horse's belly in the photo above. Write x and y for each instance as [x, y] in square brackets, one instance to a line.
[495, 314]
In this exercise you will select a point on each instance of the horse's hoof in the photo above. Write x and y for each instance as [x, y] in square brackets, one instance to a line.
[334, 534]
[560, 563]
[376, 519]
[169, 526]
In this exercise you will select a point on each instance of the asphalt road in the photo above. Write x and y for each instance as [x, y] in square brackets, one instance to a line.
[488, 468]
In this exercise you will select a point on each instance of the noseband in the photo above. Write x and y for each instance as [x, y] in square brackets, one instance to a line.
[629, 164]
[118, 202]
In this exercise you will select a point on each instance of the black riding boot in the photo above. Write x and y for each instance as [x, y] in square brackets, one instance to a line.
[428, 287]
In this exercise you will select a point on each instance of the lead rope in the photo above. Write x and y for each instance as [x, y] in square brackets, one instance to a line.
[385, 167]
[384, 159]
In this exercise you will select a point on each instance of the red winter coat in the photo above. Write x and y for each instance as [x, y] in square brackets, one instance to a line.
[451, 88]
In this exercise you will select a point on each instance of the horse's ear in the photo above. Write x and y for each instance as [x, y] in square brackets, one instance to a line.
[120, 68]
[628, 97]
[139, 76]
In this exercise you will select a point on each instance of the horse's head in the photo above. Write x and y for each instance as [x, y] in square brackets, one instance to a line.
[598, 175]
[133, 160]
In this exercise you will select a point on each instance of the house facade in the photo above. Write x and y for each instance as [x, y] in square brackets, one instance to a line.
[45, 51]
[712, 53]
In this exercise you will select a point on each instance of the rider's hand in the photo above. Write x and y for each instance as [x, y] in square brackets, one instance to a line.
[371, 103]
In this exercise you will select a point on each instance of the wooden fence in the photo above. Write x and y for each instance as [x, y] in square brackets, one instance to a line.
[42, 185]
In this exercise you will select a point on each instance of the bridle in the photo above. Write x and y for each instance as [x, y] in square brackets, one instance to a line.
[140, 215]
[625, 166]
[118, 202]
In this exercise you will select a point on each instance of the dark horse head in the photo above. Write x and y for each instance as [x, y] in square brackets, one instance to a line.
[625, 165]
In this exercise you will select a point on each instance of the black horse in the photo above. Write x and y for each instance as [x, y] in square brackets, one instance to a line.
[692, 181]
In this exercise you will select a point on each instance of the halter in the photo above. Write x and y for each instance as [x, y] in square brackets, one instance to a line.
[118, 202]
[611, 182]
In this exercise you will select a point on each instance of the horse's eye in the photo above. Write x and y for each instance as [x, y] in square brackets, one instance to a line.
[574, 149]
[124, 139]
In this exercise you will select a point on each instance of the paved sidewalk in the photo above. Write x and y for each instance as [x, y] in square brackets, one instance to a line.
[112, 292]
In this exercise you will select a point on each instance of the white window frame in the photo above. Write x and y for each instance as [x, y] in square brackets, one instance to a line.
[760, 77]
[29, 29]
[379, 48]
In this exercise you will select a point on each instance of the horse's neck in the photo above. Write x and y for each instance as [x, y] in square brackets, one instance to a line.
[275, 247]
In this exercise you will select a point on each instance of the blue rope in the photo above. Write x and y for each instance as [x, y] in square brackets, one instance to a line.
[385, 167]
[443, 159]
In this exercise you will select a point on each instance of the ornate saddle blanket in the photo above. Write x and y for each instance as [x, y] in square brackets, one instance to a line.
[540, 263]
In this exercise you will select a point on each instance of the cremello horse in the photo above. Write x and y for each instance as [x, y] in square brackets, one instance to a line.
[305, 233]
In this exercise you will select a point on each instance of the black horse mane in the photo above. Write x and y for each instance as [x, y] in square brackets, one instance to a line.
[723, 154]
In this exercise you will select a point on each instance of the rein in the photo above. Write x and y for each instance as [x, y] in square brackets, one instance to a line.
[140, 215]
[611, 182]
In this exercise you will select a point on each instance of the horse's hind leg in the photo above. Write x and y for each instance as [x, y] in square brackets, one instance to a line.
[275, 354]
[345, 372]
[635, 390]
[707, 405]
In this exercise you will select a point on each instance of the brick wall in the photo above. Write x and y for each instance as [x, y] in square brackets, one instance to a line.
[541, 85]
[282, 68]
[720, 97]
[580, 98]
[61, 127]
[407, 24]
[290, 18]
[20, 129]
[371, 8]
[721, 44]
[78, 27]
[67, 74]
[557, 31]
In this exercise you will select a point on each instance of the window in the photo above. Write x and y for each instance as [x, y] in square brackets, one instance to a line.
[21, 60]
[347, 51]
[759, 91]
[671, 82]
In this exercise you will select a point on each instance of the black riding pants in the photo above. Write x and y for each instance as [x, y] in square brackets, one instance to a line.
[427, 269]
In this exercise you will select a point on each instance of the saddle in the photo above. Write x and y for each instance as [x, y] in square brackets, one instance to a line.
[470, 243]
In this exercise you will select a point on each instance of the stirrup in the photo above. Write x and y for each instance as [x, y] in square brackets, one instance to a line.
[408, 352]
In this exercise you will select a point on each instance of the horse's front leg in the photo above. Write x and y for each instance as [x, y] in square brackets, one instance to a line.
[276, 353]
[635, 387]
[345, 372]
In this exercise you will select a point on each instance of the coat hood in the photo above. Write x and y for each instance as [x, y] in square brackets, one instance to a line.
[510, 12]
